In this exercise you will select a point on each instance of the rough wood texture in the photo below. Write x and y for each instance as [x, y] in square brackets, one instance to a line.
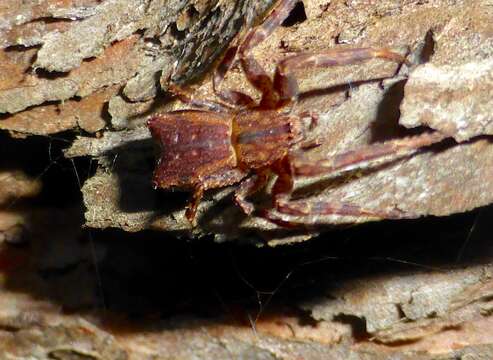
[66, 293]
[448, 87]
[52, 308]
[129, 43]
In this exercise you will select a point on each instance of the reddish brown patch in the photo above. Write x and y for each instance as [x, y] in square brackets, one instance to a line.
[262, 137]
[195, 145]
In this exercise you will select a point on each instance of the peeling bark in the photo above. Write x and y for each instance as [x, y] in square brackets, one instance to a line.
[100, 68]
[447, 88]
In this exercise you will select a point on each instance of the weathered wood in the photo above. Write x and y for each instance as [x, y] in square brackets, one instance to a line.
[448, 89]
[102, 67]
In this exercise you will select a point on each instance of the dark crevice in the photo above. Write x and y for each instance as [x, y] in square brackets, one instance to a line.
[386, 124]
[428, 48]
[192, 13]
[205, 278]
[49, 20]
[9, 328]
[305, 318]
[42, 157]
[168, 274]
[297, 15]
[397, 343]
[154, 41]
[177, 34]
[400, 312]
[357, 323]
[21, 48]
[53, 273]
[52, 75]
[69, 355]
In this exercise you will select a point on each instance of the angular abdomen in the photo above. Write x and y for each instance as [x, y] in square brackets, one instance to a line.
[194, 145]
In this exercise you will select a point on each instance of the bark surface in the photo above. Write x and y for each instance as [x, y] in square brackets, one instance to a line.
[88, 74]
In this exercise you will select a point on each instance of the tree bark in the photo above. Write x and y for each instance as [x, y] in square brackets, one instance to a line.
[87, 74]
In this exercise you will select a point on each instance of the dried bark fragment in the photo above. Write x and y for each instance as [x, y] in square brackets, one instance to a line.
[452, 91]
[405, 307]
[31, 34]
[103, 145]
[454, 99]
[455, 95]
[459, 327]
[112, 21]
[87, 113]
[359, 111]
[117, 64]
[15, 12]
[98, 44]
[129, 115]
[352, 115]
[14, 68]
[24, 23]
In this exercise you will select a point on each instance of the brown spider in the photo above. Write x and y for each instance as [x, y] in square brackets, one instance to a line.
[238, 140]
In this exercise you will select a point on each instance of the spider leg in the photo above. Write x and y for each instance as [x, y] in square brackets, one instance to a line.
[224, 177]
[284, 88]
[191, 209]
[232, 97]
[297, 166]
[278, 220]
[282, 203]
[253, 71]
[306, 207]
[249, 187]
[311, 207]
[363, 155]
[286, 85]
[259, 33]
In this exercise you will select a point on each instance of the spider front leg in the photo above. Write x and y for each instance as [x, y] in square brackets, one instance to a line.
[298, 166]
[284, 88]
[255, 74]
[232, 97]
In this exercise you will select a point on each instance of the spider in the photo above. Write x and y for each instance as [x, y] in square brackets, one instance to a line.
[238, 140]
